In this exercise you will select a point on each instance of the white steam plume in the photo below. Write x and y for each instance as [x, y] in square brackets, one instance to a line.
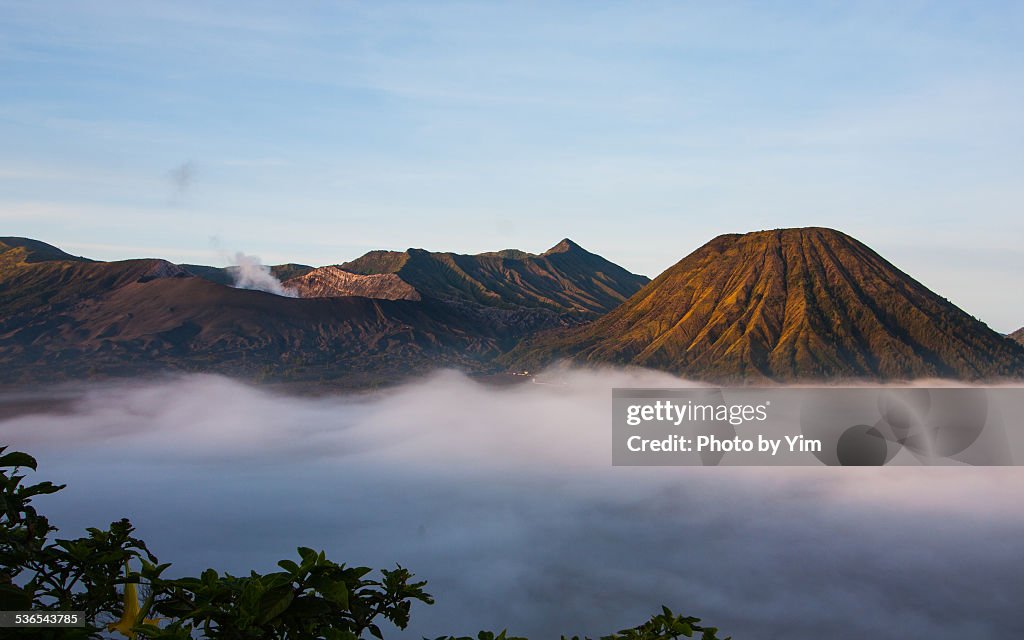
[250, 273]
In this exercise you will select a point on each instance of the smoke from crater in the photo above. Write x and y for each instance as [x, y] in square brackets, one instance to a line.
[250, 273]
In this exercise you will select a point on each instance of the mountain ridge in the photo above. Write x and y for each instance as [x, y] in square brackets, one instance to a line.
[785, 304]
[564, 279]
[29, 251]
[62, 317]
[770, 306]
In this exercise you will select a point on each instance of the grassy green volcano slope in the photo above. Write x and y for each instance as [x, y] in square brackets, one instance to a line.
[787, 304]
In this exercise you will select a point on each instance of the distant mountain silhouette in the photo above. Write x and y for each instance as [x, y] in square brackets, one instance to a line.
[564, 279]
[64, 317]
[789, 304]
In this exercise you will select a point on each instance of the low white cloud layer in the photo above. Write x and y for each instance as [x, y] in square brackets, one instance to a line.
[505, 500]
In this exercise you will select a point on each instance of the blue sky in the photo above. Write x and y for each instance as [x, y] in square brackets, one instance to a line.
[313, 132]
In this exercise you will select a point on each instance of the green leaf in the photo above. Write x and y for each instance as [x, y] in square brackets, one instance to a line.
[17, 459]
[274, 603]
[289, 566]
[13, 598]
[335, 592]
[43, 488]
[277, 579]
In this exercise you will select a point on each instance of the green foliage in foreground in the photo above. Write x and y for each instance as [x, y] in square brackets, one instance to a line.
[311, 598]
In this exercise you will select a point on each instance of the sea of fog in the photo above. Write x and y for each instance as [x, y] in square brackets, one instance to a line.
[505, 500]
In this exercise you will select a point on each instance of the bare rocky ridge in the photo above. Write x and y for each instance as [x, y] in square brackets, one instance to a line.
[333, 282]
[788, 304]
[68, 318]
[565, 279]
[1018, 335]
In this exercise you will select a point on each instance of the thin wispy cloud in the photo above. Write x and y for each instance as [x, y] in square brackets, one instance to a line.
[659, 126]
[182, 177]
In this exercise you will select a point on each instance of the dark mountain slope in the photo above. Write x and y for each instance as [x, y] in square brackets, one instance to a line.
[29, 250]
[564, 279]
[787, 304]
[64, 319]
[192, 324]
[31, 283]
